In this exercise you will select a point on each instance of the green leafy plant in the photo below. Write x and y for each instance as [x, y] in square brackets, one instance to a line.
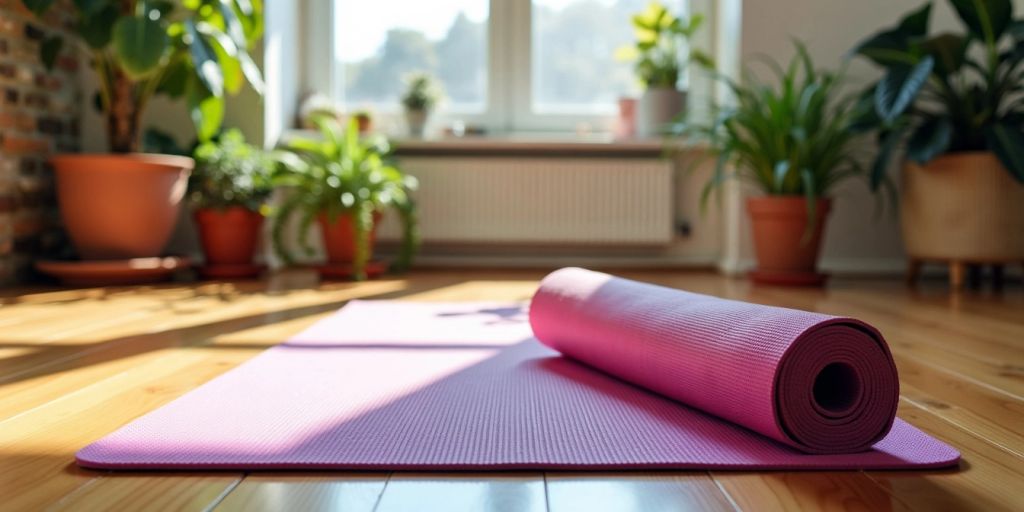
[229, 172]
[421, 93]
[661, 38]
[948, 92]
[193, 48]
[343, 174]
[791, 138]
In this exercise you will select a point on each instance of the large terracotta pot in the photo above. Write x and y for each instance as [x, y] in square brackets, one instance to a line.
[780, 228]
[120, 206]
[962, 206]
[228, 236]
[339, 237]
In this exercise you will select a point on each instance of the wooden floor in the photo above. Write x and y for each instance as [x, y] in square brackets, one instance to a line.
[75, 365]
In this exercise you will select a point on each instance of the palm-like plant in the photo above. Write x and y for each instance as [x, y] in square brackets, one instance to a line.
[342, 174]
[661, 39]
[942, 97]
[792, 138]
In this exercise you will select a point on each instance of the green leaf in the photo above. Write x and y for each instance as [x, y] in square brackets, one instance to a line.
[205, 108]
[90, 7]
[97, 30]
[890, 141]
[898, 89]
[1016, 30]
[949, 51]
[232, 24]
[175, 79]
[227, 55]
[140, 44]
[986, 19]
[916, 23]
[49, 50]
[930, 140]
[886, 48]
[38, 7]
[779, 176]
[204, 60]
[1007, 142]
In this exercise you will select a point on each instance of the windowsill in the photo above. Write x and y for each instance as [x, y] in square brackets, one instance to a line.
[528, 144]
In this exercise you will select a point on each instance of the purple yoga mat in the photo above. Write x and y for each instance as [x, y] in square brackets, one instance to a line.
[400, 385]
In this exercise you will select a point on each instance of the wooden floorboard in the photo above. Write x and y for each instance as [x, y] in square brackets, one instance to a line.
[77, 364]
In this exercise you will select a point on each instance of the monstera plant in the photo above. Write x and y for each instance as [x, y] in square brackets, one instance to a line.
[125, 205]
[955, 101]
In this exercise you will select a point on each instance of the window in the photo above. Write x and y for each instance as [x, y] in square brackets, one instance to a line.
[508, 65]
[381, 42]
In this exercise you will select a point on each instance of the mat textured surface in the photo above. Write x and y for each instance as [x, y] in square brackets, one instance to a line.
[393, 386]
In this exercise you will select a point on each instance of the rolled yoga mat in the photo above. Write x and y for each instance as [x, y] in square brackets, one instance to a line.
[643, 377]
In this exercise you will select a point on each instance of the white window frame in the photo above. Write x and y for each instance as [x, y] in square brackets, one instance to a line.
[509, 102]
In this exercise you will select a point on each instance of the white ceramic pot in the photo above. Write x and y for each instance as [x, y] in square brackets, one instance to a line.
[962, 207]
[658, 107]
[416, 121]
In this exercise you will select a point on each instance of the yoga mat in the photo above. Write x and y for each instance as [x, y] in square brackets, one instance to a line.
[385, 385]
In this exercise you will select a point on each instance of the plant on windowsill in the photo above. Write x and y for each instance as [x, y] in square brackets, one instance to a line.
[792, 140]
[421, 94]
[125, 205]
[661, 40]
[956, 103]
[344, 183]
[229, 190]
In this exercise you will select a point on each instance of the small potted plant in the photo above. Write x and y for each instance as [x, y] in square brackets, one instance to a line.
[954, 102]
[344, 183]
[364, 120]
[420, 96]
[793, 141]
[229, 190]
[125, 204]
[661, 39]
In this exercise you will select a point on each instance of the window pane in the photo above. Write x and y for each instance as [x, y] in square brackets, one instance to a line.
[383, 41]
[574, 41]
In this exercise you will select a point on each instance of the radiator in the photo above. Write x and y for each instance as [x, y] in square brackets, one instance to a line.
[549, 201]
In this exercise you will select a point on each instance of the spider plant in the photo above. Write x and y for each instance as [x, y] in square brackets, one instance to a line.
[792, 138]
[342, 174]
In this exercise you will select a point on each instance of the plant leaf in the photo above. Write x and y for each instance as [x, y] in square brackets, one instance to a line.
[986, 19]
[886, 48]
[205, 108]
[949, 51]
[49, 50]
[916, 23]
[890, 140]
[204, 60]
[140, 44]
[898, 89]
[930, 140]
[97, 30]
[1007, 142]
[90, 7]
[38, 7]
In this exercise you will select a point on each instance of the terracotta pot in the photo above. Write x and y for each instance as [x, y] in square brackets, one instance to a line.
[228, 236]
[339, 237]
[120, 206]
[779, 224]
[962, 206]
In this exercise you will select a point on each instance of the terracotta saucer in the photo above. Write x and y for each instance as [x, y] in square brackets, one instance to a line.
[231, 271]
[112, 272]
[788, 278]
[344, 270]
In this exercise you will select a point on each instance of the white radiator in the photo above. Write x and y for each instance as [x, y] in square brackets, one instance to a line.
[532, 200]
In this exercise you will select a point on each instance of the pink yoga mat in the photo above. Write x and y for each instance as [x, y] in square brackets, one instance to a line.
[395, 385]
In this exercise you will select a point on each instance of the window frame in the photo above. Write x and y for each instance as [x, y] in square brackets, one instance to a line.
[508, 107]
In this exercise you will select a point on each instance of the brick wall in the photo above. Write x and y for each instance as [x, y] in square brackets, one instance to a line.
[39, 116]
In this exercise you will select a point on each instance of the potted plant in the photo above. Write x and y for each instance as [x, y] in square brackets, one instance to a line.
[420, 96]
[125, 204]
[364, 120]
[792, 140]
[344, 183]
[661, 40]
[229, 190]
[954, 101]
